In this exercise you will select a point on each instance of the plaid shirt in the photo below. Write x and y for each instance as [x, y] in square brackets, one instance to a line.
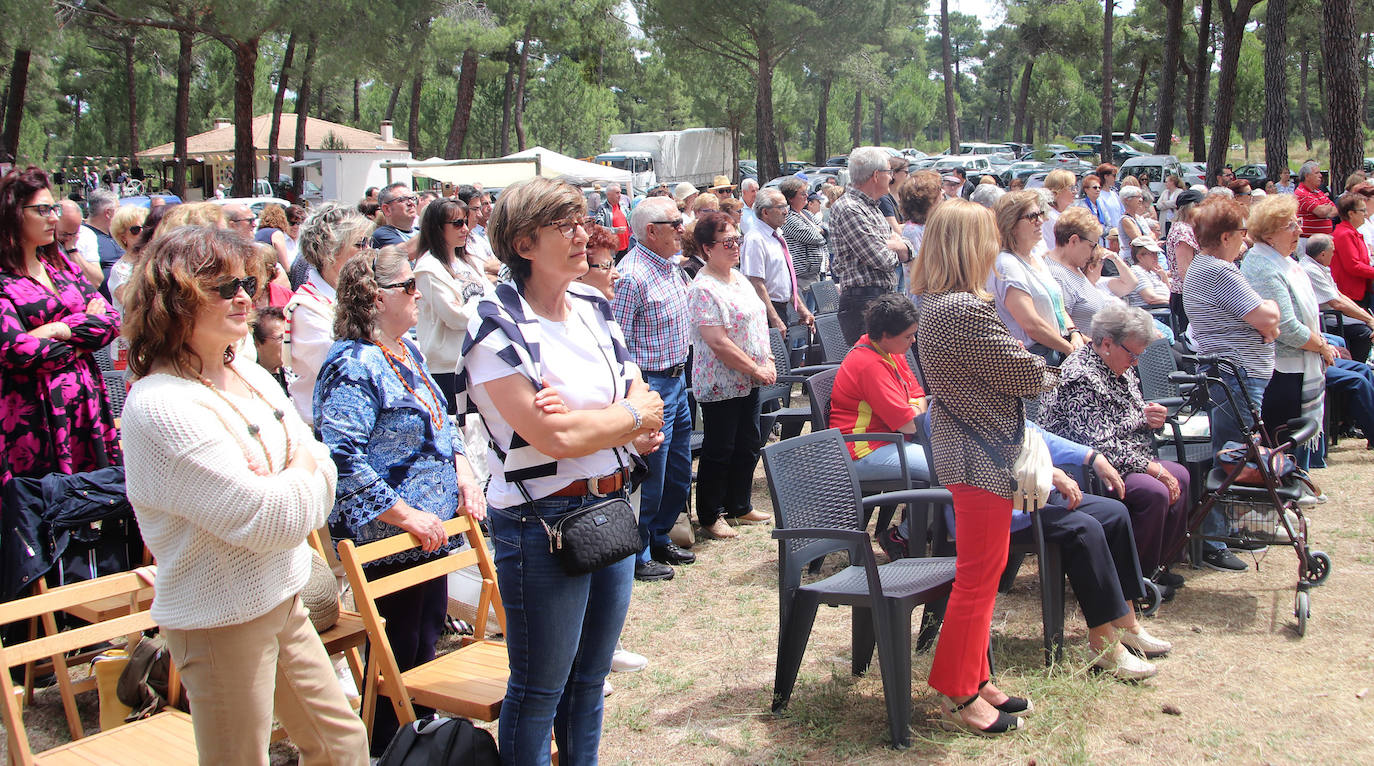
[859, 255]
[805, 242]
[651, 307]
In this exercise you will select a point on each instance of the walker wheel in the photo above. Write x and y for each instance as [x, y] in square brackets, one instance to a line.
[1150, 603]
[1318, 567]
[1302, 609]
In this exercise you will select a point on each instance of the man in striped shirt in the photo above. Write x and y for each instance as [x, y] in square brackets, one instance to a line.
[651, 306]
[1315, 210]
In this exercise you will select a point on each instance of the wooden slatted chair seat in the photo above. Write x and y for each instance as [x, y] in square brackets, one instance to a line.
[469, 681]
[167, 737]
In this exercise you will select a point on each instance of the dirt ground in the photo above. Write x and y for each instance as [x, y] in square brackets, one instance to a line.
[1240, 685]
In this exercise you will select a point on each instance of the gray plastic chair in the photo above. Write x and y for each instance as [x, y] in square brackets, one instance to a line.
[833, 347]
[817, 505]
[827, 296]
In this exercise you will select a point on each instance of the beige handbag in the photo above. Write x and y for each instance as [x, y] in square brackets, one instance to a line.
[1033, 471]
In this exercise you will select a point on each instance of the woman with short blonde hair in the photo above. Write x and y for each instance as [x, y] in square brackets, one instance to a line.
[127, 224]
[1062, 187]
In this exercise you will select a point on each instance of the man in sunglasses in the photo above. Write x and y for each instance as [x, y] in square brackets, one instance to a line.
[400, 207]
[76, 239]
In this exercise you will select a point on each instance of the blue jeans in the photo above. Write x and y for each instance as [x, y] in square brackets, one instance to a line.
[1226, 427]
[1355, 381]
[561, 631]
[663, 495]
[884, 463]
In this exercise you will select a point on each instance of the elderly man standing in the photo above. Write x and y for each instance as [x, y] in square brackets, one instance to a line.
[241, 220]
[1315, 210]
[400, 207]
[804, 237]
[864, 250]
[615, 215]
[748, 192]
[102, 248]
[76, 239]
[651, 307]
[766, 261]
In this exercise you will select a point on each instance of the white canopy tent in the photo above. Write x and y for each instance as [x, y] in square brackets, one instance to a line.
[503, 171]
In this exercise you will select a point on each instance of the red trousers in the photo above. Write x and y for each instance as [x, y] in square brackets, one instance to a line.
[982, 525]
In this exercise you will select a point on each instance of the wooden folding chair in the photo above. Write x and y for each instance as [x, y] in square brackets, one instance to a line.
[349, 634]
[470, 681]
[164, 738]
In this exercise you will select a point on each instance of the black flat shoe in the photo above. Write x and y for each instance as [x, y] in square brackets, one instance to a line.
[671, 554]
[1005, 723]
[1013, 705]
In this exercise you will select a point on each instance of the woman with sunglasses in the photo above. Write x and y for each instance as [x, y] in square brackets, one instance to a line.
[55, 414]
[400, 459]
[227, 482]
[601, 271]
[125, 227]
[329, 238]
[449, 279]
[540, 329]
[1028, 297]
[731, 359]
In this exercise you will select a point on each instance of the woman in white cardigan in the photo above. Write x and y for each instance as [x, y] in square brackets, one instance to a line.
[449, 280]
[227, 482]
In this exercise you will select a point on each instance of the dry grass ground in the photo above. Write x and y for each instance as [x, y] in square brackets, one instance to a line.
[1246, 689]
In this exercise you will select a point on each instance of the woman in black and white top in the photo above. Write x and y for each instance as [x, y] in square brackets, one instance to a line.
[538, 340]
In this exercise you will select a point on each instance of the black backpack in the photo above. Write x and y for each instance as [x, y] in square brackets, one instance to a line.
[441, 742]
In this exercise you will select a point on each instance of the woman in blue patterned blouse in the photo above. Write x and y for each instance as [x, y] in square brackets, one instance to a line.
[400, 460]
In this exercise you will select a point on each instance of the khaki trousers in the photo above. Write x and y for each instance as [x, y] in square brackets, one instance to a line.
[236, 676]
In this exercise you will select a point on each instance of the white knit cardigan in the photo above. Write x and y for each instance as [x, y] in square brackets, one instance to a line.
[229, 542]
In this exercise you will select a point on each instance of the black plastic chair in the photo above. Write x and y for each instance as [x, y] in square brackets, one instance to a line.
[827, 296]
[775, 400]
[833, 347]
[817, 504]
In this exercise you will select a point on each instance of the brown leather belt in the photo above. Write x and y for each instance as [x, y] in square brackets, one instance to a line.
[595, 487]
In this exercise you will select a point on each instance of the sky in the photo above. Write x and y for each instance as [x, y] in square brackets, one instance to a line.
[991, 13]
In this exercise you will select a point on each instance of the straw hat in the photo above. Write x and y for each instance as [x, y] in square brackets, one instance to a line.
[684, 190]
[721, 182]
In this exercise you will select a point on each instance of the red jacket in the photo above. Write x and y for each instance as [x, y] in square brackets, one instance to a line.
[1350, 268]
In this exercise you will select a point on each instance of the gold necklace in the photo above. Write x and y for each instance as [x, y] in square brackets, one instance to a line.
[253, 429]
[435, 416]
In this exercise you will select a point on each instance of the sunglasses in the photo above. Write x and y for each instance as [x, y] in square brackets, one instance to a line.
[243, 220]
[459, 223]
[601, 266]
[229, 289]
[45, 210]
[1036, 216]
[729, 242]
[407, 286]
[676, 223]
[135, 230]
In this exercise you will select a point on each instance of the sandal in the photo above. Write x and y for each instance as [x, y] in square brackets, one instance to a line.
[1005, 723]
[1011, 704]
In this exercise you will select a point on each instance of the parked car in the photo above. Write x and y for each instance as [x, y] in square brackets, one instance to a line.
[1088, 139]
[748, 169]
[839, 160]
[1256, 173]
[915, 154]
[145, 200]
[1194, 173]
[788, 168]
[1151, 170]
[1120, 152]
[256, 204]
[1023, 170]
[989, 149]
[975, 166]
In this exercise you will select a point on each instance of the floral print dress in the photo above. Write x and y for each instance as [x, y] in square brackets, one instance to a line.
[55, 414]
[736, 307]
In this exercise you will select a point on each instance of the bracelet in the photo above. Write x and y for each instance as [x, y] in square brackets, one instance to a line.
[634, 413]
[1092, 457]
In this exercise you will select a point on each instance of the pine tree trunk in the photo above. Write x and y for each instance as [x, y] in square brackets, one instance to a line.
[131, 97]
[413, 119]
[1202, 74]
[1275, 87]
[521, 76]
[462, 111]
[1022, 128]
[1108, 111]
[856, 120]
[245, 154]
[1340, 43]
[391, 103]
[181, 120]
[511, 58]
[763, 112]
[1304, 103]
[357, 101]
[274, 133]
[14, 105]
[1233, 23]
[302, 110]
[1135, 95]
[947, 69]
[1168, 85]
[878, 121]
[822, 121]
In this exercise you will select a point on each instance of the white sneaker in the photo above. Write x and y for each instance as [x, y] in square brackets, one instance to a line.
[1124, 665]
[1143, 643]
[607, 689]
[625, 661]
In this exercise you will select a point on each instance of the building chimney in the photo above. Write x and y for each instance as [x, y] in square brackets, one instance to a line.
[388, 135]
[223, 122]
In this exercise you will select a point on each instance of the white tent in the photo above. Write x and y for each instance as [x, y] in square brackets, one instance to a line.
[502, 172]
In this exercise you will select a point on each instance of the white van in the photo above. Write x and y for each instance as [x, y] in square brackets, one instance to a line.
[1151, 170]
[976, 148]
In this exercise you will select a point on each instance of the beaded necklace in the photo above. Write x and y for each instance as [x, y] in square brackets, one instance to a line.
[253, 430]
[436, 416]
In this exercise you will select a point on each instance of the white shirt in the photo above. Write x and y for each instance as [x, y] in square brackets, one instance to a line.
[761, 257]
[747, 220]
[309, 334]
[1367, 231]
[87, 244]
[443, 320]
[479, 245]
[572, 360]
[1323, 285]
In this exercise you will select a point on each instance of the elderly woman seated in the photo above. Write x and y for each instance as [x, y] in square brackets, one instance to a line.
[1098, 403]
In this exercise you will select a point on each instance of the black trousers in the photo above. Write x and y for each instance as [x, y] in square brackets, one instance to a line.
[1180, 316]
[854, 302]
[729, 452]
[1282, 401]
[1357, 339]
[1098, 551]
[414, 621]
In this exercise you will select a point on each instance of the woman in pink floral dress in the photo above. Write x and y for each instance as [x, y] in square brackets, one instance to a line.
[730, 360]
[54, 411]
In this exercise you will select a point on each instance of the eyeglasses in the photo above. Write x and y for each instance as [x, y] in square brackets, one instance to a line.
[568, 226]
[408, 286]
[249, 219]
[729, 242]
[676, 223]
[1091, 188]
[1036, 216]
[1242, 230]
[411, 200]
[1295, 226]
[361, 244]
[134, 230]
[229, 289]
[601, 266]
[459, 223]
[45, 210]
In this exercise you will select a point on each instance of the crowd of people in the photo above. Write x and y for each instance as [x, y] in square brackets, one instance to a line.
[379, 368]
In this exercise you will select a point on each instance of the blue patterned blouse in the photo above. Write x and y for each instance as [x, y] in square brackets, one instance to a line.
[383, 441]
